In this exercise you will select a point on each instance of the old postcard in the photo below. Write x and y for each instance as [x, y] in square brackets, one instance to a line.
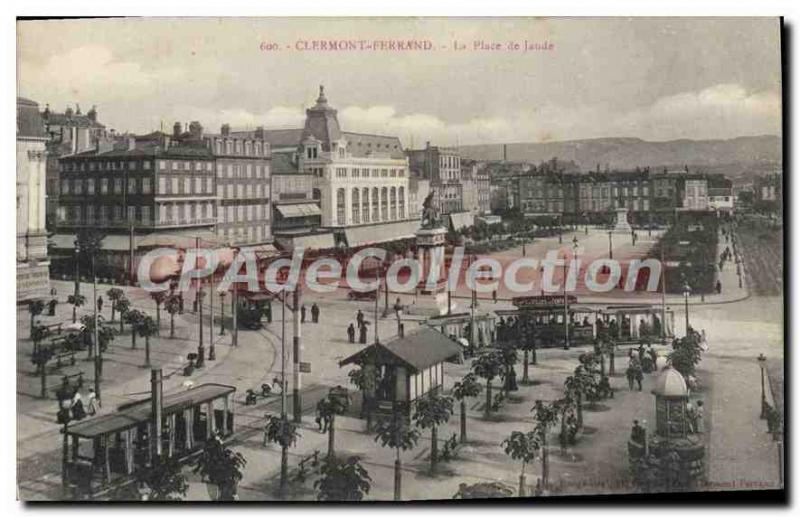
[399, 259]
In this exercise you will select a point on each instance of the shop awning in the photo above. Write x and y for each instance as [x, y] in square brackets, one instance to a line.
[376, 233]
[203, 239]
[461, 220]
[110, 242]
[299, 210]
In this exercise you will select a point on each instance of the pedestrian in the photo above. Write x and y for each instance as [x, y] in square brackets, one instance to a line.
[51, 306]
[351, 333]
[180, 303]
[639, 377]
[318, 416]
[653, 357]
[699, 417]
[638, 433]
[719, 287]
[268, 311]
[100, 303]
[303, 314]
[640, 351]
[630, 375]
[315, 313]
[494, 296]
[360, 318]
[78, 412]
[362, 334]
[691, 417]
[92, 402]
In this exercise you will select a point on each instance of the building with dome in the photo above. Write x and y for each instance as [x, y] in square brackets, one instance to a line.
[360, 180]
[32, 263]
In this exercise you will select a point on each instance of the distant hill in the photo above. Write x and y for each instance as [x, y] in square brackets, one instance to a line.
[628, 153]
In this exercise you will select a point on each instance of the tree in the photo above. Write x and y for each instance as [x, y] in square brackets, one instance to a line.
[76, 300]
[281, 431]
[40, 355]
[165, 479]
[159, 297]
[544, 416]
[565, 408]
[487, 366]
[509, 358]
[522, 447]
[528, 336]
[221, 466]
[114, 294]
[146, 327]
[123, 306]
[333, 404]
[342, 480]
[35, 308]
[467, 387]
[132, 317]
[686, 354]
[396, 433]
[579, 385]
[173, 306]
[430, 413]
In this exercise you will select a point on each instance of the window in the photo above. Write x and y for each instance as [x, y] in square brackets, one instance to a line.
[209, 186]
[198, 185]
[311, 152]
[356, 206]
[65, 186]
[384, 203]
[162, 165]
[103, 214]
[365, 203]
[229, 191]
[146, 165]
[240, 191]
[131, 166]
[131, 213]
[131, 185]
[145, 185]
[340, 208]
[162, 185]
[174, 185]
[187, 186]
[402, 201]
[146, 214]
[198, 166]
[376, 216]
[162, 213]
[89, 214]
[104, 186]
[117, 185]
[174, 166]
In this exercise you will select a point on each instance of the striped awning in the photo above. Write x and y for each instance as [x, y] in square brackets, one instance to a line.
[299, 210]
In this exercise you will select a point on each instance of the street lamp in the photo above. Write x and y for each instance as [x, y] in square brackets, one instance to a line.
[762, 363]
[687, 290]
[610, 244]
[566, 300]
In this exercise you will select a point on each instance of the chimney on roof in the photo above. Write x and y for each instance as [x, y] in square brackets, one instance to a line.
[92, 114]
[131, 141]
[196, 129]
[77, 109]
[68, 112]
[225, 129]
[259, 134]
[176, 129]
[46, 113]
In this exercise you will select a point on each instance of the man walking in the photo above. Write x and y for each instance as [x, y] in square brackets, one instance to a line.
[100, 304]
[315, 313]
[351, 333]
[303, 314]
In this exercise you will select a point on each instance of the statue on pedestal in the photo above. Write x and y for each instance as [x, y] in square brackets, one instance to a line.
[430, 213]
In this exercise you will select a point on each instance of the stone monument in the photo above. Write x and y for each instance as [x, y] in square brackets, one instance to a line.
[430, 249]
[622, 225]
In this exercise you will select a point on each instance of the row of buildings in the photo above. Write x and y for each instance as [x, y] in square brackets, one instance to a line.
[641, 191]
[314, 186]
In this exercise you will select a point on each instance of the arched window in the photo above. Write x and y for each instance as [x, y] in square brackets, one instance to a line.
[340, 206]
[393, 202]
[356, 206]
[402, 201]
[376, 216]
[365, 203]
[384, 204]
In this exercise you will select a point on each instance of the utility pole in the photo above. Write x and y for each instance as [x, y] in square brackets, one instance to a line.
[156, 398]
[132, 246]
[212, 353]
[298, 408]
[283, 356]
[96, 343]
[201, 350]
[663, 296]
[377, 296]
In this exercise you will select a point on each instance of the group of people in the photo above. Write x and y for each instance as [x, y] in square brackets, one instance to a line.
[73, 408]
[314, 313]
[362, 329]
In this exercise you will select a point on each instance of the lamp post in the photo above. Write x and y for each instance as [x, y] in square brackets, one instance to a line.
[762, 363]
[687, 290]
[566, 300]
[610, 245]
